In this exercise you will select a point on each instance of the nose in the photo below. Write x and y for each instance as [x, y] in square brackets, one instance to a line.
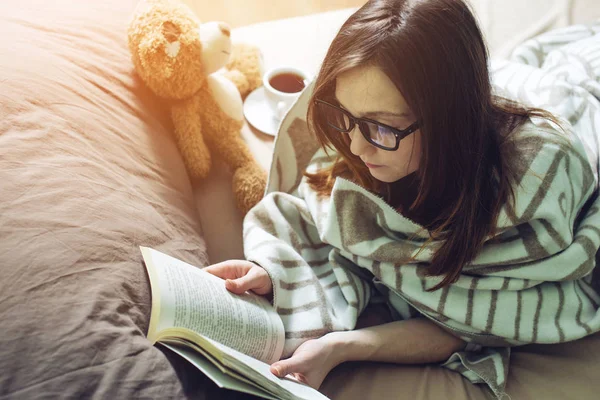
[358, 144]
[225, 29]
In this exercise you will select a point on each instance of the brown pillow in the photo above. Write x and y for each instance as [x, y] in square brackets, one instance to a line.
[88, 172]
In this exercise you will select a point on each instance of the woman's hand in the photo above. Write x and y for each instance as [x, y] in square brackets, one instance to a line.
[241, 275]
[311, 362]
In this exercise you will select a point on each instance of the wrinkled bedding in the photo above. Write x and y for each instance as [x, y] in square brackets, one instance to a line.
[88, 172]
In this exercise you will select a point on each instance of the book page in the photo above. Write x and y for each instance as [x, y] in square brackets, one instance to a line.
[184, 296]
[222, 379]
[247, 369]
[259, 372]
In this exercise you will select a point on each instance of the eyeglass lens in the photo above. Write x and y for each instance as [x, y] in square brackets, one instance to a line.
[378, 134]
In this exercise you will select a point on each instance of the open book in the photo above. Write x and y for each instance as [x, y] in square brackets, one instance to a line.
[232, 339]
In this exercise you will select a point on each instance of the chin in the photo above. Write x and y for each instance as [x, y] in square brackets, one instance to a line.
[387, 178]
[383, 177]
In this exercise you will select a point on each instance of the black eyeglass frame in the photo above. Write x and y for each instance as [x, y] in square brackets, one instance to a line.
[354, 121]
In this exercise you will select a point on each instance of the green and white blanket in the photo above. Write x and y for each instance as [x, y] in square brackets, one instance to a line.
[535, 283]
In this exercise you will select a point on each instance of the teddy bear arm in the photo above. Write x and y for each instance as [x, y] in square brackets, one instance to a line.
[223, 138]
[246, 61]
[189, 138]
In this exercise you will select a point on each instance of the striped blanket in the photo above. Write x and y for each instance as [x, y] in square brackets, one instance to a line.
[534, 283]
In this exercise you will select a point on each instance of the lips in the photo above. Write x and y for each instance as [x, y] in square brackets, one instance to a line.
[372, 165]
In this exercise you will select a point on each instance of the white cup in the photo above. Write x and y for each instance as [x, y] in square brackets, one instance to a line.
[280, 101]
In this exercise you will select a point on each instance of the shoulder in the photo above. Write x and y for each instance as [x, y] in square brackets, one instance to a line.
[537, 133]
[553, 176]
[539, 146]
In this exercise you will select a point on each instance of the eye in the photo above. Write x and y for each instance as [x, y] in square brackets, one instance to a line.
[382, 135]
[384, 130]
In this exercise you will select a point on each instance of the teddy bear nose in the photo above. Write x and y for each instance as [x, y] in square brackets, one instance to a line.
[225, 29]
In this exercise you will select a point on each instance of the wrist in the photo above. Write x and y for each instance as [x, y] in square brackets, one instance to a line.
[340, 345]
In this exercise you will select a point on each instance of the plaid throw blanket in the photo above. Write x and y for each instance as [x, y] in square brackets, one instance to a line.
[534, 283]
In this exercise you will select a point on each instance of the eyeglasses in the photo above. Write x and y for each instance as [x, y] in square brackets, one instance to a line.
[379, 135]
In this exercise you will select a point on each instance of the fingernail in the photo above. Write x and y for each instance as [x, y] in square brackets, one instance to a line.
[277, 371]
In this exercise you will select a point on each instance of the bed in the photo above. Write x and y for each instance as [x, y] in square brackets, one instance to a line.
[89, 171]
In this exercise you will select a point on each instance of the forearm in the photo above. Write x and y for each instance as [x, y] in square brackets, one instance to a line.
[414, 341]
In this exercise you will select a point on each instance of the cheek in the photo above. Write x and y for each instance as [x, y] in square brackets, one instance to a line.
[415, 147]
[408, 153]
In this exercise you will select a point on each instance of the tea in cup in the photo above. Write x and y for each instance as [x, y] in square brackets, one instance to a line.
[283, 85]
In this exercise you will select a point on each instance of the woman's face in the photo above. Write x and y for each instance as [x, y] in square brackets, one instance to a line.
[368, 92]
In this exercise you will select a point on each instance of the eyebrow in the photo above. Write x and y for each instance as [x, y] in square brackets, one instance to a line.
[374, 114]
[371, 114]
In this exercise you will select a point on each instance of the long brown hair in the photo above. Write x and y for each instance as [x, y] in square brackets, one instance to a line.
[434, 52]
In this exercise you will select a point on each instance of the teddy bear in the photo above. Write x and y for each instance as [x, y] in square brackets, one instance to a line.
[203, 76]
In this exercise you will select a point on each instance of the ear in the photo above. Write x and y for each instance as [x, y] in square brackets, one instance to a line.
[216, 45]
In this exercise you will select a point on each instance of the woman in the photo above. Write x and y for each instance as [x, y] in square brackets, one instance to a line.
[435, 195]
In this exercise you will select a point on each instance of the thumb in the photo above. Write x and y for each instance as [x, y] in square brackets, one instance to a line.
[283, 367]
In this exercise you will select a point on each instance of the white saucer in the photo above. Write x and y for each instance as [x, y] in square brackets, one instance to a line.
[259, 114]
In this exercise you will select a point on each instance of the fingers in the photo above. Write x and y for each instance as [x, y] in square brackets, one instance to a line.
[301, 378]
[289, 367]
[231, 269]
[251, 281]
[241, 276]
[283, 367]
